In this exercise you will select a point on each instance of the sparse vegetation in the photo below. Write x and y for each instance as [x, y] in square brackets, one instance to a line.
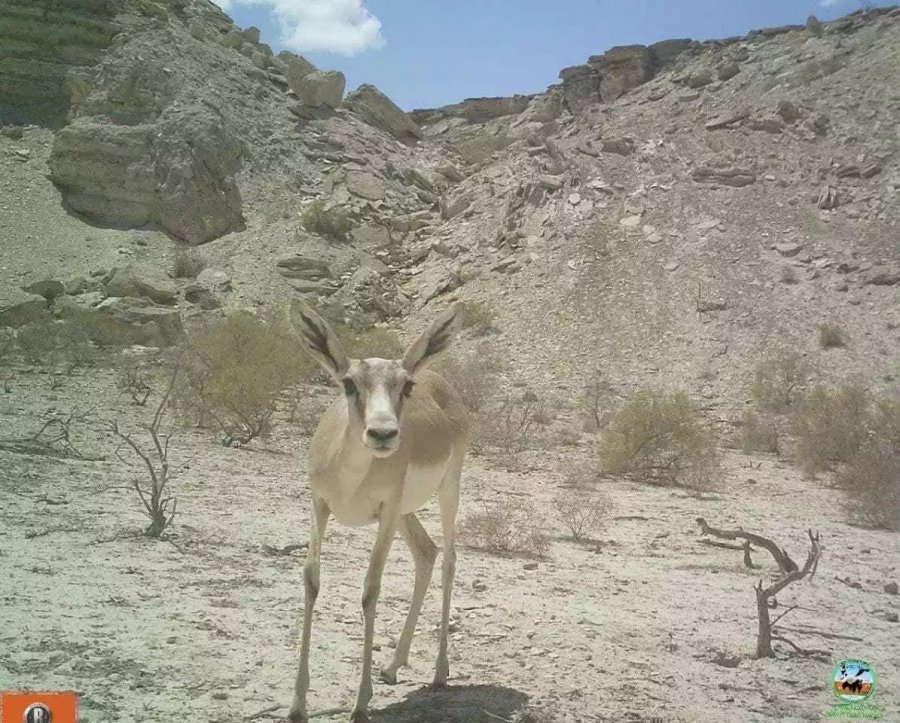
[474, 375]
[134, 382]
[871, 478]
[778, 380]
[831, 336]
[788, 275]
[596, 391]
[758, 433]
[831, 425]
[233, 374]
[660, 437]
[187, 265]
[331, 223]
[479, 318]
[509, 526]
[510, 425]
[159, 508]
[584, 512]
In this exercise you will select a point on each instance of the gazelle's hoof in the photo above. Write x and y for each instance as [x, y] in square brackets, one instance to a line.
[439, 683]
[359, 716]
[388, 676]
[297, 716]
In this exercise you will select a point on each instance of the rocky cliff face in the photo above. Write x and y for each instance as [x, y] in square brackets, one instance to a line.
[41, 43]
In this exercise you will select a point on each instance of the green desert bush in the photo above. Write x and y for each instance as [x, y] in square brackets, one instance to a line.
[233, 374]
[871, 478]
[777, 380]
[660, 437]
[331, 223]
[831, 424]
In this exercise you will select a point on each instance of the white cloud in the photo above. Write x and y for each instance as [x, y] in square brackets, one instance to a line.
[330, 26]
[823, 3]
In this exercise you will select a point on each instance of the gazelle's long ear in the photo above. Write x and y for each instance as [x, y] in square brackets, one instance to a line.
[321, 341]
[435, 340]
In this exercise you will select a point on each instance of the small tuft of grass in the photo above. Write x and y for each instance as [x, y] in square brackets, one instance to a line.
[509, 526]
[331, 223]
[831, 336]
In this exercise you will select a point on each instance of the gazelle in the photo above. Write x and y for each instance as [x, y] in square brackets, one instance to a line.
[396, 435]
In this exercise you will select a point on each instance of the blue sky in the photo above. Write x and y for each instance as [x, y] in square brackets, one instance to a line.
[426, 53]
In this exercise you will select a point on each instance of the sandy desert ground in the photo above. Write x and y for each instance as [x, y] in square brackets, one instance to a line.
[643, 624]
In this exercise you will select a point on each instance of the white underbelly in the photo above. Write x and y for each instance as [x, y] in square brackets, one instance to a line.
[357, 505]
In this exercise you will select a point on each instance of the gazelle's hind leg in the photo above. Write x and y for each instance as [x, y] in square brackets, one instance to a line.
[320, 516]
[448, 499]
[424, 554]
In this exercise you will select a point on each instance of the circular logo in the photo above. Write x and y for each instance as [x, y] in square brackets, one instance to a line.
[37, 713]
[853, 681]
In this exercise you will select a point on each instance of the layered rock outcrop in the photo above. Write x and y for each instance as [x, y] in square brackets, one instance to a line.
[41, 42]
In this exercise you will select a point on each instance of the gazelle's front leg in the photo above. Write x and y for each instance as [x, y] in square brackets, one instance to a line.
[388, 519]
[320, 515]
[448, 500]
[424, 554]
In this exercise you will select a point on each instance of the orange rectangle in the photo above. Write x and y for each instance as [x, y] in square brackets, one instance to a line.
[38, 707]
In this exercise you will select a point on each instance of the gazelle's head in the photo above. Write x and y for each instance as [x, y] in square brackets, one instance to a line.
[375, 388]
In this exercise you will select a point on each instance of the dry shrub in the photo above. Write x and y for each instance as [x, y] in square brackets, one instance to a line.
[510, 526]
[331, 223]
[758, 433]
[473, 375]
[233, 374]
[788, 275]
[777, 380]
[831, 425]
[584, 512]
[60, 347]
[660, 437]
[377, 341]
[187, 265]
[479, 318]
[510, 424]
[596, 391]
[831, 337]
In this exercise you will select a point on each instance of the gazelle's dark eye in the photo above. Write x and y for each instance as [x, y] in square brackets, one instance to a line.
[408, 387]
[350, 387]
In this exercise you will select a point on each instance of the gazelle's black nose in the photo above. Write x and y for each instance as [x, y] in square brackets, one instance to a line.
[381, 435]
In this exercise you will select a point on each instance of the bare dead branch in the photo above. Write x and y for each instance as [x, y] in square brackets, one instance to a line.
[782, 559]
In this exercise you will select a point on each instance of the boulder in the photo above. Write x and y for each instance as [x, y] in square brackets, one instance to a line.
[214, 279]
[450, 172]
[142, 280]
[19, 307]
[320, 88]
[788, 248]
[365, 185]
[828, 197]
[620, 146]
[727, 71]
[48, 288]
[882, 276]
[135, 321]
[788, 111]
[418, 178]
[814, 26]
[725, 175]
[699, 78]
[553, 183]
[303, 267]
[177, 173]
[769, 124]
[454, 207]
[375, 108]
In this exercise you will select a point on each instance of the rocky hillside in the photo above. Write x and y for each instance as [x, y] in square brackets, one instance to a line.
[665, 213]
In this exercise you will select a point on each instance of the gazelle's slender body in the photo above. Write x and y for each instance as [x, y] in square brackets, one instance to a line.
[396, 436]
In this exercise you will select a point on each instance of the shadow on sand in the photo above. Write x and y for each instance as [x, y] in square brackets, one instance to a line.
[456, 704]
